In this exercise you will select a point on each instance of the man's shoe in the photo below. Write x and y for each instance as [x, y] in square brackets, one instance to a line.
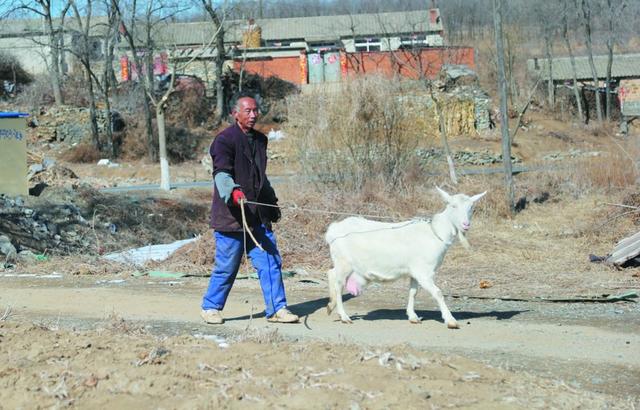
[283, 316]
[212, 316]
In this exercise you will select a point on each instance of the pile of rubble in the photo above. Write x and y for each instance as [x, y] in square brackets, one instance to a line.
[465, 107]
[68, 124]
[436, 155]
[572, 153]
[79, 219]
[40, 226]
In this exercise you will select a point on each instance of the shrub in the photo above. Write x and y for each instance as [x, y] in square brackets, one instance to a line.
[38, 93]
[82, 153]
[360, 133]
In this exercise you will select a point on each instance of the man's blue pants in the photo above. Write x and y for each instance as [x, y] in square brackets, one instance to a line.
[229, 252]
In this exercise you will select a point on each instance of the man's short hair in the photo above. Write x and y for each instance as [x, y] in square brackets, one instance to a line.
[233, 102]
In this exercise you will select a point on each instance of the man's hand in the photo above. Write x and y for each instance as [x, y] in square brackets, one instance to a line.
[236, 196]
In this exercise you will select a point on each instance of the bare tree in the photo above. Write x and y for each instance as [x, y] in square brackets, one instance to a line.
[585, 6]
[54, 29]
[613, 14]
[84, 54]
[161, 105]
[141, 39]
[504, 119]
[565, 35]
[217, 16]
[411, 59]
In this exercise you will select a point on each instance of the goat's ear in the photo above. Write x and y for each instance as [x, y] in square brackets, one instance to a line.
[475, 198]
[443, 194]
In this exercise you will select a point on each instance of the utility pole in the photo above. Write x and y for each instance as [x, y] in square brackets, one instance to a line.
[502, 91]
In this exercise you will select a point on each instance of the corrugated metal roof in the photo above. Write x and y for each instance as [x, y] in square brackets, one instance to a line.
[322, 28]
[308, 28]
[624, 65]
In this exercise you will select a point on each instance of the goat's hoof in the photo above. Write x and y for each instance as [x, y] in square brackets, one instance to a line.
[346, 320]
[453, 325]
[415, 320]
[329, 309]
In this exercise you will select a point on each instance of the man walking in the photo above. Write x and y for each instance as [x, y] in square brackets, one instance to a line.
[239, 155]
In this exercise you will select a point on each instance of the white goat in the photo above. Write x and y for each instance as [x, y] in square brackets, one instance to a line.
[369, 251]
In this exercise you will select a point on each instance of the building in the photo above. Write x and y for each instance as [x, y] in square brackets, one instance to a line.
[625, 76]
[303, 50]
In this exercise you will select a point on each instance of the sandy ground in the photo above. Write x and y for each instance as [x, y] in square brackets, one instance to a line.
[94, 342]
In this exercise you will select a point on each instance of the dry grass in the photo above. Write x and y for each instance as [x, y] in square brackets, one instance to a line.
[81, 153]
[350, 137]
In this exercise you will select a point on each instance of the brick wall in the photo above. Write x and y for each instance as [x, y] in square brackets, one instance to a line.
[409, 63]
[285, 68]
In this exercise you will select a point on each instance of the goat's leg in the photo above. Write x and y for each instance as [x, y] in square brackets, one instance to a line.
[340, 276]
[427, 283]
[413, 289]
[331, 278]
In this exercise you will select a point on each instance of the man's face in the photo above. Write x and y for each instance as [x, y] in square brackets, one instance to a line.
[246, 113]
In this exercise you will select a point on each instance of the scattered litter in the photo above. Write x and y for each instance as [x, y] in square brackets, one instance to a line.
[275, 135]
[112, 281]
[221, 341]
[470, 376]
[484, 284]
[166, 282]
[386, 358]
[53, 275]
[153, 357]
[104, 162]
[251, 275]
[19, 275]
[165, 274]
[41, 257]
[140, 256]
[626, 250]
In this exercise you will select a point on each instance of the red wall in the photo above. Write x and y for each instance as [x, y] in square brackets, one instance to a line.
[407, 63]
[285, 68]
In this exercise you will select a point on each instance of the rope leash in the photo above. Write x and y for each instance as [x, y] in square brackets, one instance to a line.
[319, 211]
[246, 230]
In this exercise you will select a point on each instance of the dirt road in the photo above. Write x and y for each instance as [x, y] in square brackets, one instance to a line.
[588, 347]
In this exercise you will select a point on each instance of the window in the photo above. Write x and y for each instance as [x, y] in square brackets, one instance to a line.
[413, 40]
[325, 46]
[368, 44]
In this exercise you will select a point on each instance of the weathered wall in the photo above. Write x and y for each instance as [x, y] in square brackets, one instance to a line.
[285, 68]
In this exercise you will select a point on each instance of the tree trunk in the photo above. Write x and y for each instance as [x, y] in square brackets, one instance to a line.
[219, 62]
[54, 66]
[504, 119]
[567, 42]
[162, 143]
[551, 91]
[443, 136]
[609, 61]
[586, 13]
[95, 135]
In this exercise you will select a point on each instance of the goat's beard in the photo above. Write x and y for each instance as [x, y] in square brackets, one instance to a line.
[463, 240]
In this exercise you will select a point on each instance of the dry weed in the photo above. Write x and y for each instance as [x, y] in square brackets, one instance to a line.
[82, 153]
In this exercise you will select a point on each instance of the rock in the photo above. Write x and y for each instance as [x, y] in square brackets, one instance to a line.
[27, 257]
[7, 248]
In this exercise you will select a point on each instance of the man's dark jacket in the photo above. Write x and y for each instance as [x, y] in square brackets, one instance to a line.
[231, 153]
